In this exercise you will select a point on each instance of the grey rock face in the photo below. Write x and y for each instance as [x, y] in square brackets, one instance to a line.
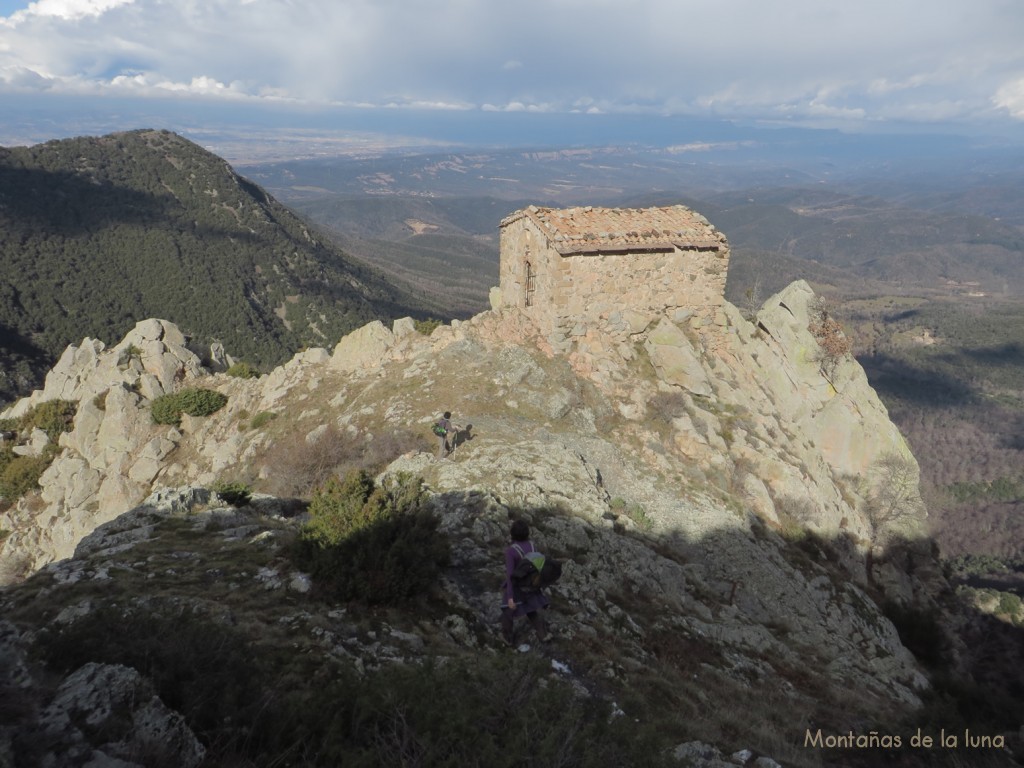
[113, 705]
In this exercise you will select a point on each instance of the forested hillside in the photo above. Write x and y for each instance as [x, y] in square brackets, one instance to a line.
[98, 233]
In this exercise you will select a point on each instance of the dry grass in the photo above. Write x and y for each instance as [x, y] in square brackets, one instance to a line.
[298, 466]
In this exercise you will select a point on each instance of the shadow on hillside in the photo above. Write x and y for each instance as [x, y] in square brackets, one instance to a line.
[1014, 440]
[69, 204]
[37, 203]
[901, 380]
[629, 648]
[976, 674]
[905, 314]
[1009, 354]
[14, 343]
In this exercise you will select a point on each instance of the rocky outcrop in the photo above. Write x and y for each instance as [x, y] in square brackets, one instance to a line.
[100, 714]
[739, 407]
[669, 467]
[114, 452]
[152, 358]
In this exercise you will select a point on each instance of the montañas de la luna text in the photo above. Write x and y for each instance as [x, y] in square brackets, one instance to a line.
[876, 740]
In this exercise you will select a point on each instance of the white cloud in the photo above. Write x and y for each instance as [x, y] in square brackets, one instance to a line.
[66, 9]
[1010, 96]
[853, 62]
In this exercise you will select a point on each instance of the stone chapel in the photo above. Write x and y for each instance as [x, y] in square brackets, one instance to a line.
[573, 267]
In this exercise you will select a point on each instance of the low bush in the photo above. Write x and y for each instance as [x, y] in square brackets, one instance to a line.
[665, 406]
[21, 474]
[426, 327]
[298, 465]
[235, 494]
[242, 370]
[376, 544]
[167, 409]
[261, 419]
[53, 417]
[201, 402]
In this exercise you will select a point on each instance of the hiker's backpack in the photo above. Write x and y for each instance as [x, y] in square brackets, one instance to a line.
[534, 571]
[438, 430]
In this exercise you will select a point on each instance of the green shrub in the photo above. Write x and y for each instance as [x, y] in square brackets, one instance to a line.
[261, 419]
[21, 474]
[638, 515]
[1009, 605]
[243, 370]
[376, 544]
[426, 327]
[235, 494]
[127, 354]
[201, 402]
[53, 417]
[167, 409]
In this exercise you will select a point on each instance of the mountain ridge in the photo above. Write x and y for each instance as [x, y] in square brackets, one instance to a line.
[716, 541]
[98, 233]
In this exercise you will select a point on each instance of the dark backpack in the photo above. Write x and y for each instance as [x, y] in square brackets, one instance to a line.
[534, 571]
[438, 430]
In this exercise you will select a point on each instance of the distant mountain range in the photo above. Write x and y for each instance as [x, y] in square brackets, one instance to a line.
[98, 233]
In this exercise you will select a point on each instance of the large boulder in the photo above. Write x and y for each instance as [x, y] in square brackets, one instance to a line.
[363, 348]
[675, 359]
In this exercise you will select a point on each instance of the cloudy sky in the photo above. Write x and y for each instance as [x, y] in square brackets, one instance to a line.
[822, 62]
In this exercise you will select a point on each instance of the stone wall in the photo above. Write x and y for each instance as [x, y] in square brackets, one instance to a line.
[572, 292]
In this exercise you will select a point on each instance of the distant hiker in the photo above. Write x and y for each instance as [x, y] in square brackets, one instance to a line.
[515, 600]
[443, 428]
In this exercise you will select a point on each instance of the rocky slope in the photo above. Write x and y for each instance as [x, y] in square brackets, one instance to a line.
[709, 489]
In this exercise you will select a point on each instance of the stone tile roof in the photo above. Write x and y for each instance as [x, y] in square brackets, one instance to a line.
[594, 230]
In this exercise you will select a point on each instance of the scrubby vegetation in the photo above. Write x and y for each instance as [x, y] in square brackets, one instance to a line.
[498, 711]
[426, 327]
[234, 493]
[833, 345]
[20, 474]
[303, 464]
[376, 544]
[168, 409]
[243, 370]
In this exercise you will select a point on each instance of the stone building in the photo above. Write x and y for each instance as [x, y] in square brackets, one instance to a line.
[611, 267]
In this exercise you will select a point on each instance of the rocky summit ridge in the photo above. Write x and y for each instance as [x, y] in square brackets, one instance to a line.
[709, 489]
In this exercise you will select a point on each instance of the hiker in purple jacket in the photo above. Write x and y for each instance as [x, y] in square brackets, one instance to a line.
[515, 603]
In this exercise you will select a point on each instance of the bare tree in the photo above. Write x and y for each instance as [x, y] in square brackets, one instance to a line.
[833, 345]
[895, 495]
[752, 299]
